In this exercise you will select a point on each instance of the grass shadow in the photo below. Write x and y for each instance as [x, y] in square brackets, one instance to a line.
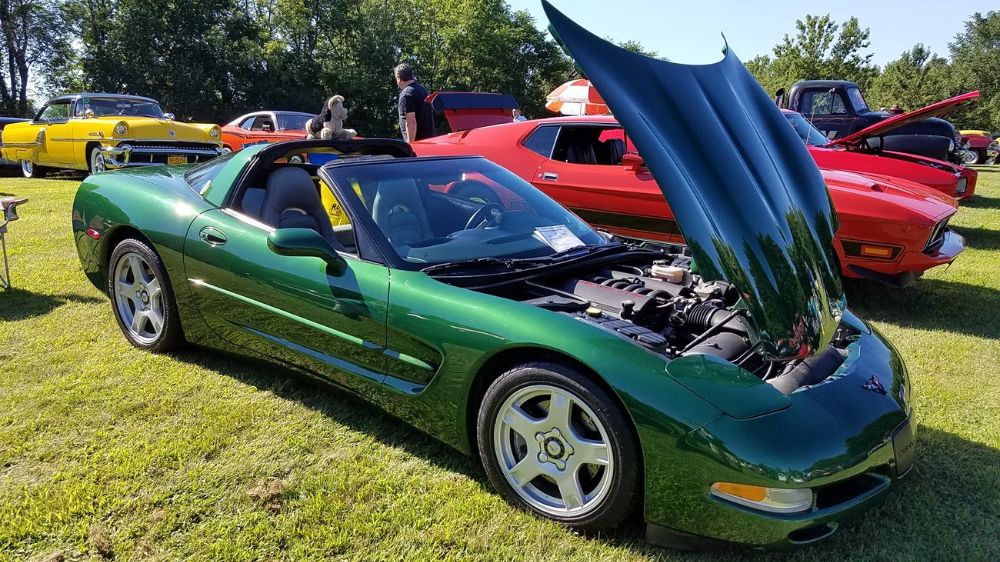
[982, 202]
[929, 304]
[980, 238]
[18, 304]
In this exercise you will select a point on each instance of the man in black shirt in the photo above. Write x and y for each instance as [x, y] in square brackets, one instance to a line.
[416, 118]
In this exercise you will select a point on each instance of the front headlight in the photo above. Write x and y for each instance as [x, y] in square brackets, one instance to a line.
[214, 132]
[121, 129]
[772, 500]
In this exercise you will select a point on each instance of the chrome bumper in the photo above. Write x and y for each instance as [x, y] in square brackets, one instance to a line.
[122, 156]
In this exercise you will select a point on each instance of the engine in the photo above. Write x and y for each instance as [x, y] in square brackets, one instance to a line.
[660, 305]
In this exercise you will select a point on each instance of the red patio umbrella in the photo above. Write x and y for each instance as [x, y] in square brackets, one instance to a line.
[576, 97]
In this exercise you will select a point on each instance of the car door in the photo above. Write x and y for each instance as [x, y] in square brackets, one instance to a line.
[289, 308]
[608, 195]
[55, 135]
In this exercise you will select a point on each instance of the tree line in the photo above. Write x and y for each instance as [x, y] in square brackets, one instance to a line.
[212, 60]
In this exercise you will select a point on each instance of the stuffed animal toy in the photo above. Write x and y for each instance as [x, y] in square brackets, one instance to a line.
[329, 124]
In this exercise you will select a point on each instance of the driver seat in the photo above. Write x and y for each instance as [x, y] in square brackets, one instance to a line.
[399, 211]
[291, 201]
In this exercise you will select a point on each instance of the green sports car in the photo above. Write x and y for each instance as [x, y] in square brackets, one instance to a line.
[723, 388]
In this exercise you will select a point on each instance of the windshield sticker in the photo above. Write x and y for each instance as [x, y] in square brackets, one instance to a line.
[559, 238]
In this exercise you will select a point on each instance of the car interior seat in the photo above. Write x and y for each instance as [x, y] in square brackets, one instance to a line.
[291, 200]
[581, 151]
[614, 150]
[399, 212]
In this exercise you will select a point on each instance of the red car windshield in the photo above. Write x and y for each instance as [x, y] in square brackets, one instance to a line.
[809, 134]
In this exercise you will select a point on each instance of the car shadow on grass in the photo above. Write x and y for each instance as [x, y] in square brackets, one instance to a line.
[953, 486]
[18, 304]
[980, 238]
[929, 304]
[981, 202]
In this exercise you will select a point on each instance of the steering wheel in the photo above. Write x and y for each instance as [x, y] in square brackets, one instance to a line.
[488, 214]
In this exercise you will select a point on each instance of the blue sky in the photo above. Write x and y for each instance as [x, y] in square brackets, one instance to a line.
[688, 31]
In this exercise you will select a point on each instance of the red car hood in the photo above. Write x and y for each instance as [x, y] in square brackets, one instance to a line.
[902, 194]
[938, 109]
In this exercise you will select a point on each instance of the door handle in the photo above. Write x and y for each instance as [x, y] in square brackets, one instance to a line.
[213, 236]
[550, 176]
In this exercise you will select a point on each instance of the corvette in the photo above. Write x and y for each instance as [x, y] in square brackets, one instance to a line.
[736, 400]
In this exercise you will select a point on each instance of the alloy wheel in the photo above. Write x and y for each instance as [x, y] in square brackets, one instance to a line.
[553, 450]
[138, 298]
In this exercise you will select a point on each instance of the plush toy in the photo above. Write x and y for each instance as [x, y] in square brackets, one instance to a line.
[329, 124]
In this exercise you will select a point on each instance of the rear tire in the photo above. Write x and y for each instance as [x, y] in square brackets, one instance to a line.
[31, 170]
[556, 444]
[142, 299]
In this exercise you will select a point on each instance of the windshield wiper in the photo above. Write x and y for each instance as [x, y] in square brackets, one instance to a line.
[468, 263]
[511, 263]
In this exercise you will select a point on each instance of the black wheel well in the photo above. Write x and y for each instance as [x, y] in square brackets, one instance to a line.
[508, 359]
[90, 146]
[115, 237]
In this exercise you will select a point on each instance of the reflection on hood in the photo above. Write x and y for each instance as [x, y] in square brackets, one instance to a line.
[748, 197]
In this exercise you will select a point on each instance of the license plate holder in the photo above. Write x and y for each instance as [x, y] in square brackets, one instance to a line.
[175, 159]
[903, 445]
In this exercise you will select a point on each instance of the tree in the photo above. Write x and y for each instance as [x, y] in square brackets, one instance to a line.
[820, 49]
[31, 37]
[917, 78]
[976, 64]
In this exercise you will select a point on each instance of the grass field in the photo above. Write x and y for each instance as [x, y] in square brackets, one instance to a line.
[109, 452]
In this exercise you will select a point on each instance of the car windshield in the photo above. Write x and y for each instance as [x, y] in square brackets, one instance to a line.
[201, 174]
[446, 210]
[857, 99]
[807, 132]
[119, 107]
[292, 121]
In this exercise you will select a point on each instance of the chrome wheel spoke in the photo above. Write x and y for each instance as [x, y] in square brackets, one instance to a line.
[560, 406]
[570, 490]
[592, 452]
[521, 422]
[138, 319]
[526, 470]
[155, 319]
[153, 289]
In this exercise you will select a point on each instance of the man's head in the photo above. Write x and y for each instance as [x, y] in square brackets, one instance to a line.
[404, 74]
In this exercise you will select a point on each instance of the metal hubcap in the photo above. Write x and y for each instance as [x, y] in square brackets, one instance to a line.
[553, 450]
[99, 163]
[138, 298]
[27, 168]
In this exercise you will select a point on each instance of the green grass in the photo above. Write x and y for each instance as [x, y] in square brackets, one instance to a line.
[109, 451]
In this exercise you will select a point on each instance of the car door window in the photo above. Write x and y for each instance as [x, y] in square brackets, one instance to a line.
[247, 123]
[590, 145]
[542, 140]
[57, 112]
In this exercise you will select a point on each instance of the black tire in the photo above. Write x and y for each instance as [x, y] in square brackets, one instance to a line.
[171, 334]
[619, 503]
[33, 171]
[95, 161]
[980, 156]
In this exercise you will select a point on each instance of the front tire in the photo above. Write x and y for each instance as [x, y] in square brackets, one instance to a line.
[555, 443]
[142, 298]
[96, 161]
[32, 170]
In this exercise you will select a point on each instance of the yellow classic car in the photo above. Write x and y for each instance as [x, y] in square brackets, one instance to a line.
[97, 132]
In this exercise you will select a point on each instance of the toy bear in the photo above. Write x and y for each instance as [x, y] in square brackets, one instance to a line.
[329, 124]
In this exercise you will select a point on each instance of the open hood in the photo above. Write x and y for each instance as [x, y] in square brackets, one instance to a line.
[939, 109]
[472, 110]
[754, 210]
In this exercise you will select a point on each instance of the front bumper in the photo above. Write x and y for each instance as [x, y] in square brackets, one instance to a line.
[910, 265]
[124, 155]
[838, 438]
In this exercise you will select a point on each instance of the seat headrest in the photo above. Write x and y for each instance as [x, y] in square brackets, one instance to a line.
[288, 187]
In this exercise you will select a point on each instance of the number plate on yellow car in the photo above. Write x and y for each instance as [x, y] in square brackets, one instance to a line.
[171, 160]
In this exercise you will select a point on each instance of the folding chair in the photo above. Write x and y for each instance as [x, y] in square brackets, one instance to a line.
[8, 214]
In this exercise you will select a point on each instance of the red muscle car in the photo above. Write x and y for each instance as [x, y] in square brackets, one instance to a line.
[264, 127]
[948, 178]
[891, 230]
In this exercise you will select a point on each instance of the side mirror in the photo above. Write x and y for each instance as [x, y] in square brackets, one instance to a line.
[306, 242]
[168, 116]
[633, 161]
[89, 114]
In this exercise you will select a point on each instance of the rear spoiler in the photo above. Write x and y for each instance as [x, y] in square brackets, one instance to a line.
[471, 110]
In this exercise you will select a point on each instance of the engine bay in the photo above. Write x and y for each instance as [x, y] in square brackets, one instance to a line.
[658, 302]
